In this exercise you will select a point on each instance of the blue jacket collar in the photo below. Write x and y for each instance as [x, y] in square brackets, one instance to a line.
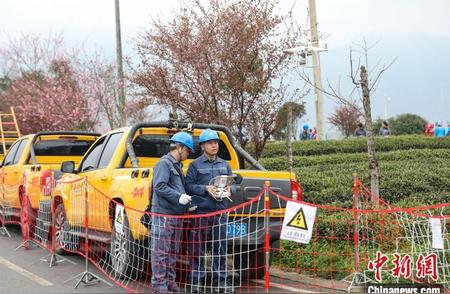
[204, 158]
[173, 160]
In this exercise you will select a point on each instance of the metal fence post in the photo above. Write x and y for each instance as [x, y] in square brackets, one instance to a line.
[356, 208]
[267, 236]
[357, 277]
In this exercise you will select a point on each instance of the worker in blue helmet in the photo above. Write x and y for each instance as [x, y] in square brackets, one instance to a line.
[212, 229]
[305, 134]
[169, 198]
[439, 131]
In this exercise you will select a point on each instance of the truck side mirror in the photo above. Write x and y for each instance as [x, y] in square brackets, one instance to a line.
[237, 179]
[68, 167]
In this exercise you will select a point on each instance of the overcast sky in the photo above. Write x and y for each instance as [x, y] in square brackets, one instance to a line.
[91, 23]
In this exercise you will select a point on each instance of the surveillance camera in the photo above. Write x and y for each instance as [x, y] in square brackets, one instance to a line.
[295, 50]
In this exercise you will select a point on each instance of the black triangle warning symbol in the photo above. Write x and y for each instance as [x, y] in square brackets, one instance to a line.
[299, 220]
[119, 218]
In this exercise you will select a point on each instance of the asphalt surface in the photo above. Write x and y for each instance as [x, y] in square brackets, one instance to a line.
[22, 271]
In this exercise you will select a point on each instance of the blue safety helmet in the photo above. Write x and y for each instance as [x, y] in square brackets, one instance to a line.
[208, 135]
[184, 139]
[305, 127]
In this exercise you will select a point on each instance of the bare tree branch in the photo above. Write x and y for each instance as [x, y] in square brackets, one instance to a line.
[385, 68]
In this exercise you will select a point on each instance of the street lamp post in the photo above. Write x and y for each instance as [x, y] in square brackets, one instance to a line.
[316, 68]
[387, 100]
[120, 78]
[304, 51]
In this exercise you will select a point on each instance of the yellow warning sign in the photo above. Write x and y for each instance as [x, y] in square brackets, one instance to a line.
[299, 220]
[119, 218]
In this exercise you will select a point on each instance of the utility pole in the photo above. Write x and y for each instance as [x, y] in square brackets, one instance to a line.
[316, 69]
[120, 79]
[386, 106]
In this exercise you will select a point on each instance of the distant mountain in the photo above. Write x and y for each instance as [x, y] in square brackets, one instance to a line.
[418, 82]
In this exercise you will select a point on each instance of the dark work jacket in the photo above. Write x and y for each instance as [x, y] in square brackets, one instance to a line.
[168, 185]
[201, 173]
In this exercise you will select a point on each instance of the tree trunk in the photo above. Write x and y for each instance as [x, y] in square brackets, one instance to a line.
[372, 159]
[289, 137]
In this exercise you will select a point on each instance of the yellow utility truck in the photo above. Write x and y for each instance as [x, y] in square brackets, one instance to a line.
[118, 168]
[24, 172]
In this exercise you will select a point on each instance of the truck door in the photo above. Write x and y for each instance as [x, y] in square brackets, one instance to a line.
[100, 184]
[12, 174]
[87, 169]
[5, 169]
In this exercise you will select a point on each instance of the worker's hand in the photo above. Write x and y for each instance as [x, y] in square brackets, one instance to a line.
[212, 190]
[226, 193]
[184, 199]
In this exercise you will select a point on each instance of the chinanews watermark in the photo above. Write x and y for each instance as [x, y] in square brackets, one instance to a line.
[405, 289]
[426, 266]
[402, 267]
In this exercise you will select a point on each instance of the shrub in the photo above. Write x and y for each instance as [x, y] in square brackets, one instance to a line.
[355, 145]
[412, 168]
[407, 123]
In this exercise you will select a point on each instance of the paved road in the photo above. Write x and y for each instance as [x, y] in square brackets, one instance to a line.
[22, 271]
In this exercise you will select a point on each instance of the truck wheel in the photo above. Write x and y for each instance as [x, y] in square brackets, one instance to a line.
[125, 263]
[65, 240]
[249, 261]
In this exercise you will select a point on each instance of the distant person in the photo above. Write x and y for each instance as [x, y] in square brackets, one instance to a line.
[305, 134]
[384, 129]
[360, 131]
[314, 134]
[429, 130]
[439, 131]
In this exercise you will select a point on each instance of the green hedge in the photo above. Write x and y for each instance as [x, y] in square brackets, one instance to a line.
[356, 145]
[414, 170]
[420, 174]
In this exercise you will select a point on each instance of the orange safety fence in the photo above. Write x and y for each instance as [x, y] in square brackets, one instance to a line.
[313, 248]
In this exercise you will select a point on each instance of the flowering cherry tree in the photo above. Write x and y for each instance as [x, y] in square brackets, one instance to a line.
[221, 61]
[51, 102]
[54, 88]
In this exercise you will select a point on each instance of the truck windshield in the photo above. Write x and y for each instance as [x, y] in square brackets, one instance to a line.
[62, 147]
[159, 145]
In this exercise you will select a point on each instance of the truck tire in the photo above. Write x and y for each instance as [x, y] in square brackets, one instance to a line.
[125, 262]
[65, 240]
[249, 261]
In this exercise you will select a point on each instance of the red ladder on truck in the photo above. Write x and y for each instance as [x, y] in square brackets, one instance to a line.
[9, 130]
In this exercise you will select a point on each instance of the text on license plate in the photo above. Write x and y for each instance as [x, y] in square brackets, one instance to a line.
[237, 229]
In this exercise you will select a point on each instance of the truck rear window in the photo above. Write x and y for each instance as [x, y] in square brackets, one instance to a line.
[62, 147]
[159, 145]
